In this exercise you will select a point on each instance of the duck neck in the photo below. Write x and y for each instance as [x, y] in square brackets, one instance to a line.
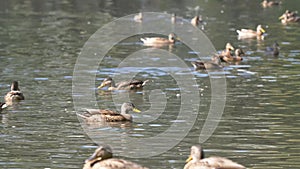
[14, 87]
[125, 114]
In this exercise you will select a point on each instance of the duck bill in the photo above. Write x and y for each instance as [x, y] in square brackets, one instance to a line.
[93, 158]
[136, 110]
[101, 86]
[189, 159]
[262, 30]
[281, 17]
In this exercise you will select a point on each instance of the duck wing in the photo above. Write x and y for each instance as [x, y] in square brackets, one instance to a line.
[220, 163]
[154, 40]
[97, 115]
[133, 84]
[114, 163]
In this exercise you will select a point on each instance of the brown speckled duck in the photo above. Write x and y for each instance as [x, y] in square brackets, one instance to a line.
[153, 41]
[268, 3]
[214, 64]
[249, 33]
[225, 55]
[98, 115]
[289, 17]
[238, 55]
[15, 94]
[196, 20]
[103, 159]
[123, 85]
[197, 160]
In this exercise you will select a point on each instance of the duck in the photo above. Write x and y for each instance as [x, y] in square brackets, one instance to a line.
[153, 41]
[15, 94]
[196, 20]
[274, 50]
[103, 158]
[249, 33]
[123, 85]
[196, 160]
[289, 17]
[214, 64]
[98, 115]
[266, 3]
[238, 55]
[225, 55]
[138, 17]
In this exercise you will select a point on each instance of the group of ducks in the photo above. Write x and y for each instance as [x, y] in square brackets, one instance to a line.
[13, 96]
[103, 158]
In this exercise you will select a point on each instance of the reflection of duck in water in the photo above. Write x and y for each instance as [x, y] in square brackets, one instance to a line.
[98, 115]
[123, 85]
[274, 50]
[197, 161]
[249, 33]
[102, 158]
[15, 94]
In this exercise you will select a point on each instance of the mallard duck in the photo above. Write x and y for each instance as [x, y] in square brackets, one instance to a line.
[274, 50]
[196, 20]
[214, 64]
[172, 38]
[266, 3]
[123, 85]
[96, 115]
[2, 106]
[15, 94]
[138, 17]
[238, 55]
[102, 158]
[225, 55]
[289, 17]
[249, 33]
[197, 160]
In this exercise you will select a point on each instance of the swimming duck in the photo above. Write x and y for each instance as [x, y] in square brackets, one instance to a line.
[172, 38]
[214, 64]
[138, 17]
[289, 17]
[96, 115]
[238, 55]
[225, 55]
[102, 158]
[123, 85]
[249, 33]
[267, 3]
[274, 50]
[197, 160]
[196, 20]
[15, 94]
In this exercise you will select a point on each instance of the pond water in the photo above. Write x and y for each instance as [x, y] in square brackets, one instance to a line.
[41, 41]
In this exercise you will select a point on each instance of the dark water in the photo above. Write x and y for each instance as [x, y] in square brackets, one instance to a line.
[41, 40]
